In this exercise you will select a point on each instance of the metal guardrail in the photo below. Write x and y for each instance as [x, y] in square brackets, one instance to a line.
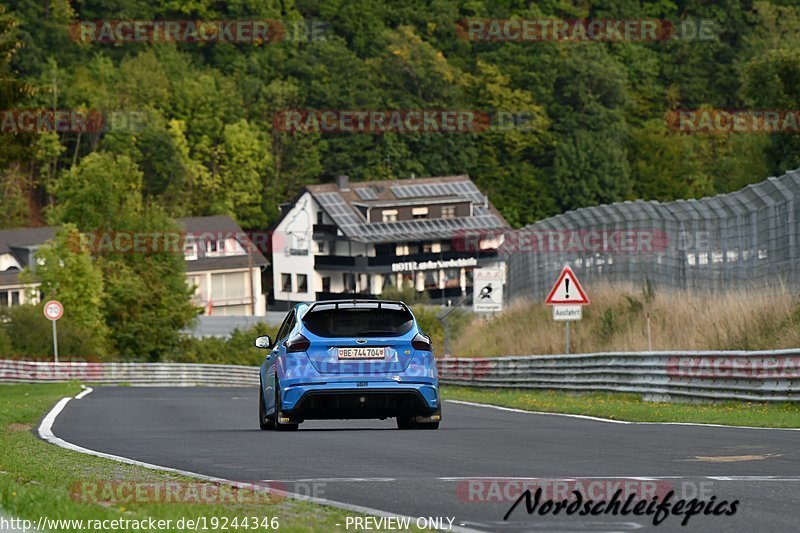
[135, 374]
[729, 375]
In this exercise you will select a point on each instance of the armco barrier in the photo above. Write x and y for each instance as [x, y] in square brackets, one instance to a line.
[755, 376]
[136, 374]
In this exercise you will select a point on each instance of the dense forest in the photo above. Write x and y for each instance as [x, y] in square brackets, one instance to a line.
[596, 131]
[205, 139]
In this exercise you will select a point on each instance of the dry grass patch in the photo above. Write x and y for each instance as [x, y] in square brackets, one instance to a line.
[617, 321]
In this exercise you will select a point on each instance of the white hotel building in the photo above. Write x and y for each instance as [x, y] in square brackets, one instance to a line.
[339, 239]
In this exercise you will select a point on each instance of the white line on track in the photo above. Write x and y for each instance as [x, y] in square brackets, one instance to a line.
[332, 480]
[635, 478]
[84, 393]
[611, 421]
[46, 433]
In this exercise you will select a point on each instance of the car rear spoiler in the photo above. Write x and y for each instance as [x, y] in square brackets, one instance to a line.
[354, 302]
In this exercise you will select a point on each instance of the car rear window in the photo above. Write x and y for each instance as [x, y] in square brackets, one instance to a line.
[358, 322]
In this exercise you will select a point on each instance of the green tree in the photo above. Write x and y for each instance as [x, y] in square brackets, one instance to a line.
[147, 300]
[65, 271]
[103, 192]
[147, 297]
[244, 167]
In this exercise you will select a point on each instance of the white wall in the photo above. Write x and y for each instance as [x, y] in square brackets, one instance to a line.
[7, 261]
[295, 232]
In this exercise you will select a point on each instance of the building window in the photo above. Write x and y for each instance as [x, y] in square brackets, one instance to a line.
[389, 215]
[432, 279]
[9, 298]
[326, 284]
[419, 212]
[228, 286]
[449, 211]
[385, 249]
[286, 282]
[452, 277]
[302, 283]
[349, 282]
[190, 249]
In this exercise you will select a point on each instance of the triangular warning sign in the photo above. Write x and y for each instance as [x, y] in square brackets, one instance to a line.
[567, 290]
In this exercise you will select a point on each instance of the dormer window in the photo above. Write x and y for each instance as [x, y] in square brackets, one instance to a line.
[419, 212]
[389, 215]
[449, 211]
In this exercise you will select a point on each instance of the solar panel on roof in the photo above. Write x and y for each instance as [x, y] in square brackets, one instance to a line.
[366, 193]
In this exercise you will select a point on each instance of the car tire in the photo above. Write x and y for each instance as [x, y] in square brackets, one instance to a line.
[264, 422]
[408, 422]
[278, 425]
[405, 422]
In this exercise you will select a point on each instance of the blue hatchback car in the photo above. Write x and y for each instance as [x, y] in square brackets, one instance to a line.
[342, 359]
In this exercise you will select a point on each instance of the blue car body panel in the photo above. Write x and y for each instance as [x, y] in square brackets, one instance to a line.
[404, 379]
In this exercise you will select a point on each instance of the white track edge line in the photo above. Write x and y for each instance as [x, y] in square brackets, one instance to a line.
[46, 432]
[84, 393]
[612, 421]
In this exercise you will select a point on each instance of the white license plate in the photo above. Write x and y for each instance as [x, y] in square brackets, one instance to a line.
[362, 352]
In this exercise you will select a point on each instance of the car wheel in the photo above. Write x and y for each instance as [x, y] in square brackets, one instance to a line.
[405, 422]
[409, 422]
[264, 422]
[278, 425]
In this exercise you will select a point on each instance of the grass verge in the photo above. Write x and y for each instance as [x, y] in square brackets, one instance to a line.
[617, 320]
[631, 407]
[38, 479]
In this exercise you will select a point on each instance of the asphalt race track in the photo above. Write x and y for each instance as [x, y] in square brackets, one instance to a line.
[448, 473]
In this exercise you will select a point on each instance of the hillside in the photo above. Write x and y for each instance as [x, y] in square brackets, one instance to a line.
[201, 120]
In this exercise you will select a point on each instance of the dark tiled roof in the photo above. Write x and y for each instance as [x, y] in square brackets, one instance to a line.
[23, 237]
[338, 205]
[228, 261]
[13, 239]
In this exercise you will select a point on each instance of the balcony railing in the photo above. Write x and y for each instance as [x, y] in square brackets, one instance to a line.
[344, 261]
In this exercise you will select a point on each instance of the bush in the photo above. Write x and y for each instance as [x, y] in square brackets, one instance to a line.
[238, 349]
[457, 320]
[407, 293]
[30, 335]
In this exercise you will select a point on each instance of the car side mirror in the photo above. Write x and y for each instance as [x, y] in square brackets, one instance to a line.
[263, 342]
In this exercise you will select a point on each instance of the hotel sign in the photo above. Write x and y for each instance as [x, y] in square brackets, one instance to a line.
[410, 266]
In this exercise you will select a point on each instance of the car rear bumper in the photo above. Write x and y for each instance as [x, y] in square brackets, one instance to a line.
[359, 400]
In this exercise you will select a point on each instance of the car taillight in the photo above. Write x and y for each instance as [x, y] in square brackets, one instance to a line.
[422, 342]
[298, 343]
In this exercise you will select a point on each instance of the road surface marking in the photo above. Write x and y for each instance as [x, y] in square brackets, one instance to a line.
[46, 433]
[609, 420]
[84, 393]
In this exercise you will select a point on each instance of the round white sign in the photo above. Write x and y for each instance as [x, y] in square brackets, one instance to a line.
[53, 310]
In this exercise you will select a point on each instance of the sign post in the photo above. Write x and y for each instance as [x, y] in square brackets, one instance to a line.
[53, 311]
[487, 290]
[567, 298]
